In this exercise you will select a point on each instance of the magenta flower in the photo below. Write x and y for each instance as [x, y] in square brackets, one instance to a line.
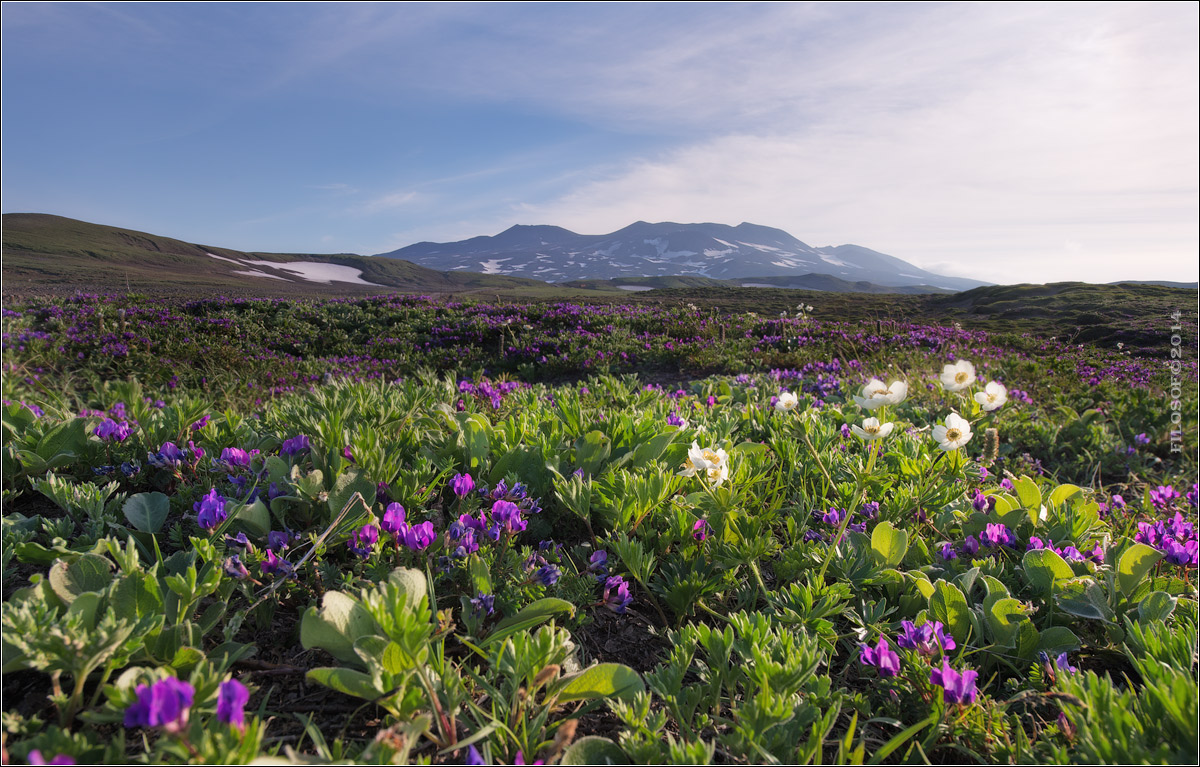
[996, 535]
[957, 688]
[508, 516]
[419, 537]
[294, 446]
[273, 564]
[394, 521]
[235, 457]
[948, 552]
[363, 541]
[701, 530]
[35, 757]
[231, 704]
[112, 431]
[881, 657]
[163, 704]
[210, 510]
[462, 485]
[616, 594]
[927, 639]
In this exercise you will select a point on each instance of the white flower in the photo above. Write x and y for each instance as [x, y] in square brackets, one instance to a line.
[707, 462]
[786, 402]
[958, 376]
[871, 429]
[954, 433]
[992, 397]
[875, 394]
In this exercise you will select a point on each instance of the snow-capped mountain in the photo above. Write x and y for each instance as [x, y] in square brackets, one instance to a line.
[745, 251]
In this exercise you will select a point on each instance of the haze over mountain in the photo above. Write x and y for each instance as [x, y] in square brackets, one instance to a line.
[743, 252]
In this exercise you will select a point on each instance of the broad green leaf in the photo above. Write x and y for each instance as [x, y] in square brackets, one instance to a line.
[345, 486]
[1063, 493]
[1084, 599]
[412, 583]
[604, 680]
[476, 438]
[1004, 618]
[1028, 493]
[651, 449]
[949, 606]
[1044, 569]
[1056, 640]
[86, 604]
[888, 545]
[538, 612]
[340, 621]
[591, 451]
[594, 749]
[147, 511]
[1135, 562]
[87, 573]
[345, 680]
[255, 518]
[924, 586]
[1157, 606]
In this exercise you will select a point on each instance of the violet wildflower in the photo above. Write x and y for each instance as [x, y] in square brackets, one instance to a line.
[35, 757]
[1097, 554]
[997, 535]
[394, 521]
[198, 425]
[163, 704]
[1118, 502]
[419, 537]
[1163, 496]
[235, 569]
[484, 604]
[701, 530]
[363, 541]
[1064, 664]
[508, 516]
[278, 540]
[970, 546]
[474, 757]
[598, 563]
[881, 657]
[831, 517]
[957, 688]
[1007, 484]
[232, 697]
[235, 457]
[112, 431]
[547, 574]
[273, 564]
[616, 594]
[674, 420]
[295, 446]
[870, 510]
[1035, 543]
[462, 484]
[210, 511]
[948, 553]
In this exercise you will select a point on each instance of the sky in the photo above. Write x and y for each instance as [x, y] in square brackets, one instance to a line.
[1008, 142]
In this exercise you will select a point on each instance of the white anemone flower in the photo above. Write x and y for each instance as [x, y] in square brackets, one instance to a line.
[958, 376]
[872, 430]
[952, 434]
[992, 397]
[712, 464]
[876, 394]
[787, 402]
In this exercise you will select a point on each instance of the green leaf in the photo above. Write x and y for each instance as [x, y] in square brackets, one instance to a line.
[652, 449]
[1063, 493]
[147, 511]
[604, 680]
[950, 607]
[345, 680]
[594, 749]
[1004, 618]
[1157, 606]
[538, 612]
[87, 573]
[339, 623]
[1085, 599]
[1028, 493]
[345, 486]
[1056, 640]
[888, 545]
[1135, 562]
[255, 518]
[411, 583]
[1045, 569]
[591, 451]
[476, 438]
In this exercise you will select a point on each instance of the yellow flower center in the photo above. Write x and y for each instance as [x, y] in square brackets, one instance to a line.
[952, 435]
[881, 392]
[870, 429]
[960, 377]
[710, 456]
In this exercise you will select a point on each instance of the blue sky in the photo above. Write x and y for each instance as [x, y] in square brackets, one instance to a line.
[1007, 142]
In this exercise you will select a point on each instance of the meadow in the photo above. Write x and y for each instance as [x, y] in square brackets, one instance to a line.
[412, 529]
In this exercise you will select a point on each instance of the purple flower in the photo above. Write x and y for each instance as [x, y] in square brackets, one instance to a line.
[112, 431]
[462, 484]
[547, 574]
[1118, 502]
[210, 510]
[474, 757]
[970, 546]
[484, 604]
[831, 517]
[1163, 496]
[348, 454]
[163, 704]
[1097, 554]
[982, 502]
[508, 516]
[294, 446]
[616, 594]
[419, 537]
[35, 757]
[1035, 543]
[674, 420]
[235, 457]
[1064, 664]
[394, 521]
[273, 564]
[232, 697]
[235, 568]
[1071, 554]
[701, 529]
[948, 552]
[870, 510]
[598, 563]
[881, 657]
[198, 425]
[1007, 484]
[958, 688]
[169, 456]
[996, 535]
[363, 541]
[278, 540]
[1183, 554]
[1142, 439]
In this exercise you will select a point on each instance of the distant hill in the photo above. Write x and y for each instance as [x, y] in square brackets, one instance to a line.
[43, 251]
[715, 251]
[820, 282]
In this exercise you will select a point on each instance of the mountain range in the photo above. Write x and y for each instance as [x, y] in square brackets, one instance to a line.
[718, 251]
